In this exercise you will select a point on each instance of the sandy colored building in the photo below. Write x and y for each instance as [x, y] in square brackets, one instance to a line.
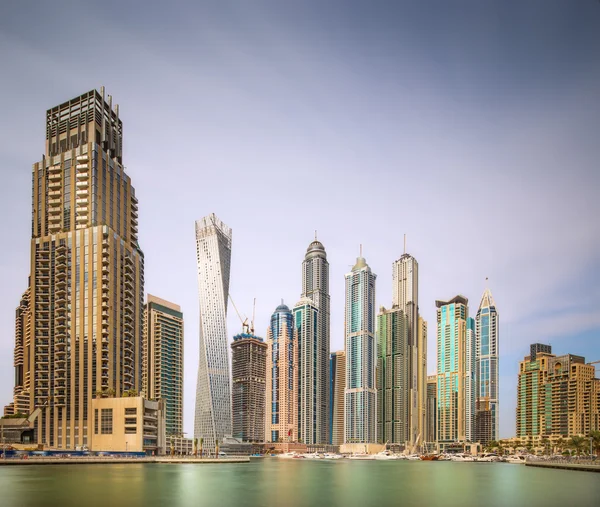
[79, 328]
[557, 395]
[129, 424]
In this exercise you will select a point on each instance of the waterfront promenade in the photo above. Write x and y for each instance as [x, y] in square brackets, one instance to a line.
[97, 460]
[582, 465]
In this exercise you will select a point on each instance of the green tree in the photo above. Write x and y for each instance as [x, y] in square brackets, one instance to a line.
[195, 447]
[577, 443]
[217, 446]
[560, 444]
[201, 445]
[595, 436]
[545, 441]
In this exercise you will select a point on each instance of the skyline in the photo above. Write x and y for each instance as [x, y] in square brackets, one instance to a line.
[511, 142]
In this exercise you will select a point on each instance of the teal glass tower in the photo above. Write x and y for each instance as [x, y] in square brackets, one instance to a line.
[360, 421]
[486, 323]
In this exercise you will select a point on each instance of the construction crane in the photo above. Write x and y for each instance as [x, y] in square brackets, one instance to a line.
[244, 321]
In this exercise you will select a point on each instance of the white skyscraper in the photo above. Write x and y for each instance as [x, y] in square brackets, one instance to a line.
[360, 420]
[313, 346]
[405, 296]
[470, 381]
[213, 392]
[486, 323]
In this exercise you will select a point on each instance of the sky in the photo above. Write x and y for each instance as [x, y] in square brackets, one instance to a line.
[471, 127]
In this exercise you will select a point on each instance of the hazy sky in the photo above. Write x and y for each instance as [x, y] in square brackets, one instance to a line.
[471, 126]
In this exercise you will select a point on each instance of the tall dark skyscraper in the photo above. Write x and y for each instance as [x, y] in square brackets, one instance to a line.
[81, 315]
[312, 321]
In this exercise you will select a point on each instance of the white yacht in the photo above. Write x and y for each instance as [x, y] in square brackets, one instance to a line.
[385, 455]
[363, 455]
[460, 457]
[517, 459]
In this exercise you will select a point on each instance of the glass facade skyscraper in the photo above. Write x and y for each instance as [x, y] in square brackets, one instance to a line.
[452, 318]
[313, 347]
[487, 322]
[213, 392]
[282, 378]
[361, 355]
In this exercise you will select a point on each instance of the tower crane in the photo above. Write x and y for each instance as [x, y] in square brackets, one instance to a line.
[243, 321]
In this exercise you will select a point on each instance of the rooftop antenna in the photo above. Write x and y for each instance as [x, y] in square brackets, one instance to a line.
[486, 282]
[315, 234]
[405, 244]
[360, 250]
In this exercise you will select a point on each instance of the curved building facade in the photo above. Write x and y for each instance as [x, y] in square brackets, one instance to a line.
[213, 392]
[282, 378]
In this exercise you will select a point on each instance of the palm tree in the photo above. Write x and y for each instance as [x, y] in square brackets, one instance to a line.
[201, 444]
[560, 443]
[172, 447]
[217, 445]
[195, 447]
[577, 443]
[595, 436]
[544, 441]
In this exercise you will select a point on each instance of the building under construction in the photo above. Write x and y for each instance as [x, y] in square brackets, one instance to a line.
[248, 371]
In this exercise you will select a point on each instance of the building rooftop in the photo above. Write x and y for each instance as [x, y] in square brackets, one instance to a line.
[456, 299]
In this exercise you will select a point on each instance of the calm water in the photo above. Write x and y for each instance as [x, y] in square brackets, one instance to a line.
[275, 482]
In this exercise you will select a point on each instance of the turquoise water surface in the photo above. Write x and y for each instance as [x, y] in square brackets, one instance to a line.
[277, 482]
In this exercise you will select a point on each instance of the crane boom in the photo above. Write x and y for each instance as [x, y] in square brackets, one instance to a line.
[243, 321]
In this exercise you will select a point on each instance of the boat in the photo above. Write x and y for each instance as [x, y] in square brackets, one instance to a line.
[463, 458]
[363, 456]
[311, 455]
[413, 457]
[331, 455]
[516, 459]
[429, 457]
[385, 456]
[288, 455]
[489, 457]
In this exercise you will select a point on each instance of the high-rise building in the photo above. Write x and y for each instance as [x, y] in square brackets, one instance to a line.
[557, 395]
[313, 366]
[248, 371]
[306, 322]
[213, 393]
[431, 429]
[536, 348]
[162, 364]
[282, 378]
[487, 412]
[405, 296]
[470, 380]
[81, 316]
[452, 318]
[360, 422]
[393, 395]
[337, 389]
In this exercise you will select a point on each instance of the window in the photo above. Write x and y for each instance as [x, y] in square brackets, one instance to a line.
[96, 421]
[131, 420]
[106, 421]
[130, 430]
[131, 411]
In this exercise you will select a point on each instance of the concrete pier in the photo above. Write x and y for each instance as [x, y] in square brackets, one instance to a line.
[582, 467]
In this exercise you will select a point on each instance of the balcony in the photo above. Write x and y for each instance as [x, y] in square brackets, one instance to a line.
[55, 174]
[80, 219]
[82, 184]
[54, 203]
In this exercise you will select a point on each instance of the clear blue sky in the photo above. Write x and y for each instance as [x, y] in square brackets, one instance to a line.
[470, 126]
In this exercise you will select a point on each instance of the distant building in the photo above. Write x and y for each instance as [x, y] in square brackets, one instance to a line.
[405, 296]
[431, 429]
[393, 377]
[452, 318]
[162, 359]
[212, 419]
[487, 425]
[313, 347]
[306, 322]
[337, 388]
[557, 395]
[361, 355]
[470, 380]
[130, 424]
[282, 378]
[248, 371]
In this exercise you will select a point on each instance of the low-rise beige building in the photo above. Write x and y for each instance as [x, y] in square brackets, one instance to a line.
[129, 424]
